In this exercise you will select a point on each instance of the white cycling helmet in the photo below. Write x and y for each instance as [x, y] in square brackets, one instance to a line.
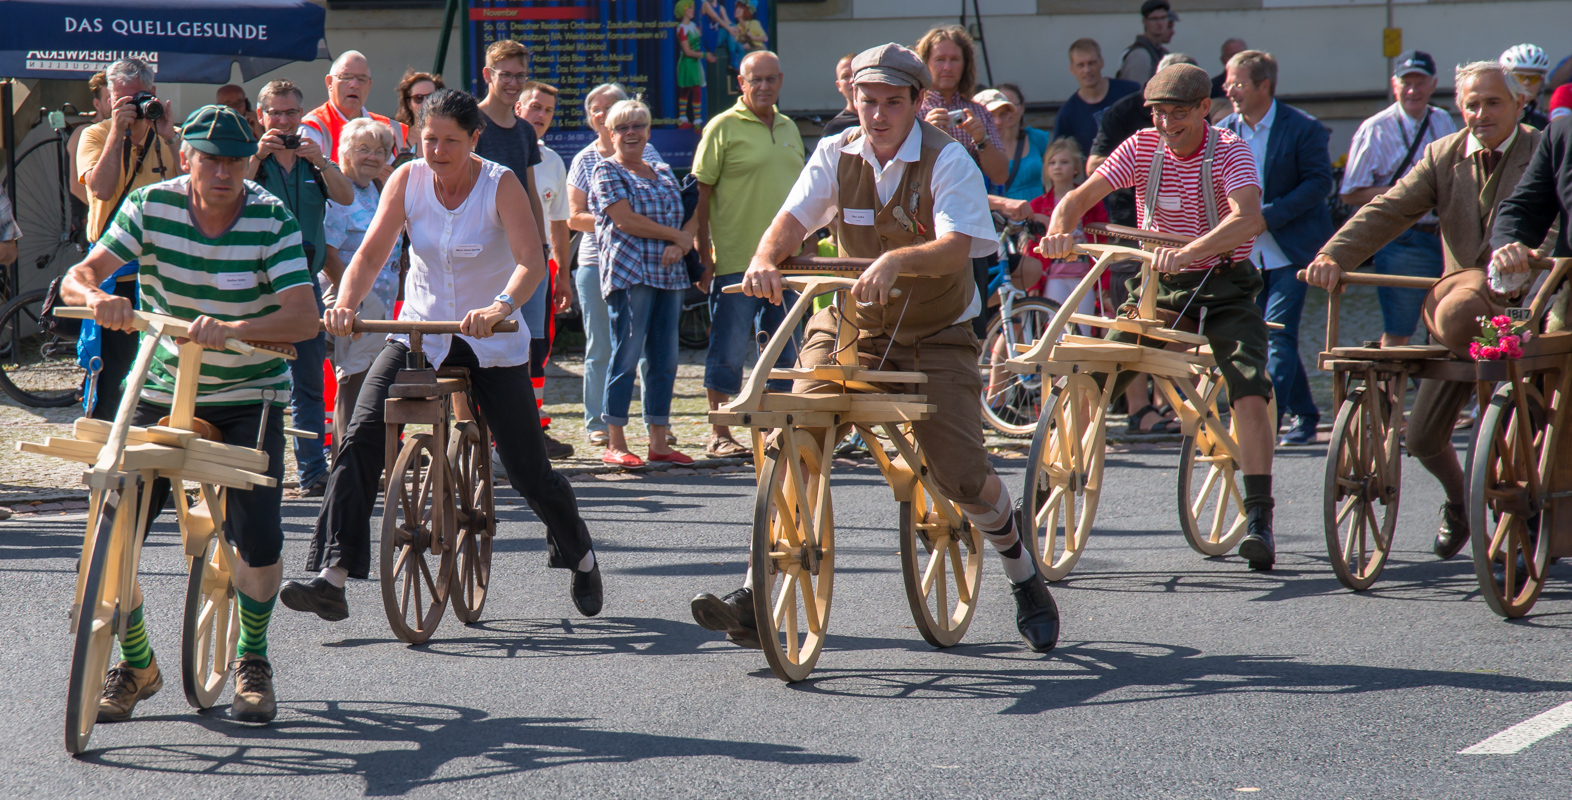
[1525, 58]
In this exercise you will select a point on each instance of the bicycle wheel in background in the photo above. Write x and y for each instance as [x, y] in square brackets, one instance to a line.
[693, 327]
[37, 368]
[1012, 401]
[48, 246]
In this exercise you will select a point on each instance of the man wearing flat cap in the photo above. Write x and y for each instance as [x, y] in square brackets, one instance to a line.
[1200, 182]
[903, 193]
[218, 250]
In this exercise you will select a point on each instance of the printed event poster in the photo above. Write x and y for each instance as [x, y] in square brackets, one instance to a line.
[681, 55]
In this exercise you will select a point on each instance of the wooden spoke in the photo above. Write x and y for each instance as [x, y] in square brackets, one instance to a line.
[1064, 475]
[415, 590]
[942, 578]
[1507, 502]
[1210, 500]
[793, 559]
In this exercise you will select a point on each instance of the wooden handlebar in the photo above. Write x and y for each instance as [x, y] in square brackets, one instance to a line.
[173, 326]
[423, 326]
[1368, 279]
[824, 264]
[1138, 234]
[736, 288]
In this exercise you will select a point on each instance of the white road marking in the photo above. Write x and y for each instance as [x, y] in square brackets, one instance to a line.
[1523, 734]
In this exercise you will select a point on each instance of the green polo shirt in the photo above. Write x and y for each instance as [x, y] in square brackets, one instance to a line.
[304, 198]
[752, 169]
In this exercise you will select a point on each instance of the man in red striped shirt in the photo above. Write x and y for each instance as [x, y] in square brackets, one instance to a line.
[1212, 272]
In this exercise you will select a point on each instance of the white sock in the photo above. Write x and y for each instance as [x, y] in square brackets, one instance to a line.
[998, 527]
[586, 563]
[335, 575]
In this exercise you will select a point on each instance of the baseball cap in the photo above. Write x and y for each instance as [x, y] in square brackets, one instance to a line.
[1413, 61]
[891, 64]
[992, 99]
[219, 131]
[1180, 84]
[1155, 5]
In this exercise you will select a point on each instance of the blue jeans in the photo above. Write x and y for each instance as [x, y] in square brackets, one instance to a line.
[1414, 252]
[1282, 300]
[643, 323]
[597, 341]
[305, 402]
[733, 320]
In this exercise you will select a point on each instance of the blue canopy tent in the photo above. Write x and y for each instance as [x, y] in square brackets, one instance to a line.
[187, 41]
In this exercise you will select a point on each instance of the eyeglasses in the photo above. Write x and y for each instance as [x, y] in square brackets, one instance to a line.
[417, 99]
[768, 80]
[357, 78]
[1179, 114]
[282, 112]
[366, 150]
[636, 127]
[510, 77]
[1240, 86]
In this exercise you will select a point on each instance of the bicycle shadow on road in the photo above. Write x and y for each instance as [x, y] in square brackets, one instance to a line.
[556, 638]
[1119, 673]
[399, 747]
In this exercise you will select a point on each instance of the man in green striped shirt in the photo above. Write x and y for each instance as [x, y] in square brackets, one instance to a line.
[216, 249]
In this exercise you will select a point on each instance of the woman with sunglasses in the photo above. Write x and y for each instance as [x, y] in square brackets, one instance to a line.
[638, 228]
[413, 89]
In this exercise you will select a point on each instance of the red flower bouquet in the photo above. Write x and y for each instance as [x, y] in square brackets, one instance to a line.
[1500, 338]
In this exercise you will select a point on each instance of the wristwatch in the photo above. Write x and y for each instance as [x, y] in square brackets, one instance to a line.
[508, 299]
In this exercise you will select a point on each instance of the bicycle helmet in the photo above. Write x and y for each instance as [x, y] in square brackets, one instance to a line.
[1525, 58]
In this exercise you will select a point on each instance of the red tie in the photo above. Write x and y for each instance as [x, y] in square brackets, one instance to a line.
[1488, 160]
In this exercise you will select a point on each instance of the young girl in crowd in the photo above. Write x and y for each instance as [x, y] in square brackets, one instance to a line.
[1061, 174]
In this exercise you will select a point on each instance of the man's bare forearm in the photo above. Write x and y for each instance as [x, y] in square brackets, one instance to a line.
[946, 255]
[782, 239]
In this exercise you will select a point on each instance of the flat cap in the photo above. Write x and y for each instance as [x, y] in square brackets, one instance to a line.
[891, 64]
[1180, 84]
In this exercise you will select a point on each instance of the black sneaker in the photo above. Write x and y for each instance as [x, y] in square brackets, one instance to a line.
[588, 592]
[1257, 547]
[1454, 531]
[317, 596]
[1036, 614]
[556, 450]
[731, 615]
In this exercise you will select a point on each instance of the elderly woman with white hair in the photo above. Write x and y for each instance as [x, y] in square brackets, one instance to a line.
[642, 241]
[363, 148]
[586, 279]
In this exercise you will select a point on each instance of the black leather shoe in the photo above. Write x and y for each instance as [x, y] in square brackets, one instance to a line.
[556, 450]
[1036, 614]
[588, 594]
[316, 596]
[1454, 531]
[1257, 547]
[731, 615]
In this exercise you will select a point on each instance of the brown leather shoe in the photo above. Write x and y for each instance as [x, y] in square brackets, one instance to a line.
[124, 687]
[254, 700]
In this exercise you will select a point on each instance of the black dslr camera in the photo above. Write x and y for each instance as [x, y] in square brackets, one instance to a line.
[147, 106]
[291, 140]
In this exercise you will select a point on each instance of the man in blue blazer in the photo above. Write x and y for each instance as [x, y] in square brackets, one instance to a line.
[1296, 177]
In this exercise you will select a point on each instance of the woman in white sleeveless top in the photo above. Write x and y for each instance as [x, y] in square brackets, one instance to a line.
[474, 248]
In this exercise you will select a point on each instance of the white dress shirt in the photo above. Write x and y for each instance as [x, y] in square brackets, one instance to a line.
[1267, 254]
[551, 183]
[960, 199]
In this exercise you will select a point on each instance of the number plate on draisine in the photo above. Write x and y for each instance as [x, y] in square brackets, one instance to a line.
[1518, 314]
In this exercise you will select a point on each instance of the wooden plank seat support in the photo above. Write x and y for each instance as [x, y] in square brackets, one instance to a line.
[440, 388]
[1404, 353]
[842, 372]
[170, 462]
[246, 458]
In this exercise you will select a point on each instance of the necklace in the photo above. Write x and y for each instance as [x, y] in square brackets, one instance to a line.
[449, 199]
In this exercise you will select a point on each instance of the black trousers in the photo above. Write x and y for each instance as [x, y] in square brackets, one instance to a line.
[504, 395]
[253, 520]
[117, 352]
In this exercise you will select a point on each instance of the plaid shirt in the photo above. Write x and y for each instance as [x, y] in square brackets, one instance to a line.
[958, 102]
[8, 228]
[627, 260]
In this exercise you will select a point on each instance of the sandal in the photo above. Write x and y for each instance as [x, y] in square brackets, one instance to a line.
[726, 447]
[1164, 424]
[626, 460]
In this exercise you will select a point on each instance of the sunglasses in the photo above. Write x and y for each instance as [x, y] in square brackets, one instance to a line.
[637, 127]
[417, 99]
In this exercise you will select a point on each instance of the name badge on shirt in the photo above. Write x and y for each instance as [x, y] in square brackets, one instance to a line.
[1169, 202]
[467, 250]
[237, 280]
[857, 216]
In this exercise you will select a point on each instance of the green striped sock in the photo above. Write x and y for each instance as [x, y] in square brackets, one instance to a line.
[134, 648]
[254, 616]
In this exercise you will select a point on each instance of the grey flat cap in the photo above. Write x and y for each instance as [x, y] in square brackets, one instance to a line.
[891, 64]
[1180, 84]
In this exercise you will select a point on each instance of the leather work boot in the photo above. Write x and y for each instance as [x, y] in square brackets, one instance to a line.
[731, 615]
[1257, 547]
[254, 700]
[124, 687]
[1454, 531]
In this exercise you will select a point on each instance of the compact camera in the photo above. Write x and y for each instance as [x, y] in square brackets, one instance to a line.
[957, 117]
[147, 106]
[291, 141]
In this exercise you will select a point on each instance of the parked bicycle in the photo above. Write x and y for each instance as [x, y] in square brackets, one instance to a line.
[1012, 401]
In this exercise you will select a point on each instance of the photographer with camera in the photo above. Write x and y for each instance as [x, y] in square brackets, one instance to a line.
[294, 169]
[135, 146]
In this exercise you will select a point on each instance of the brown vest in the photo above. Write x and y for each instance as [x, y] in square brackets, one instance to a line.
[926, 305]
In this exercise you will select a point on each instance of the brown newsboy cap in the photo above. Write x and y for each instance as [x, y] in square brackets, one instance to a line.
[894, 65]
[1180, 84]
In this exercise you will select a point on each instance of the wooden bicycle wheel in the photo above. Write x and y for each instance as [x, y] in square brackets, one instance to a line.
[469, 462]
[1363, 482]
[417, 530]
[1506, 492]
[1211, 494]
[95, 616]
[941, 565]
[1064, 476]
[793, 559]
[212, 622]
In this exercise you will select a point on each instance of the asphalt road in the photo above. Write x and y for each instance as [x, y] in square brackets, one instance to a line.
[1176, 677]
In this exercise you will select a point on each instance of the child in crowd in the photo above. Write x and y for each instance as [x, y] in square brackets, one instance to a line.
[1062, 173]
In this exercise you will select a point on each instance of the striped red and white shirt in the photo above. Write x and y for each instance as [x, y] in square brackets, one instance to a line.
[1179, 208]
